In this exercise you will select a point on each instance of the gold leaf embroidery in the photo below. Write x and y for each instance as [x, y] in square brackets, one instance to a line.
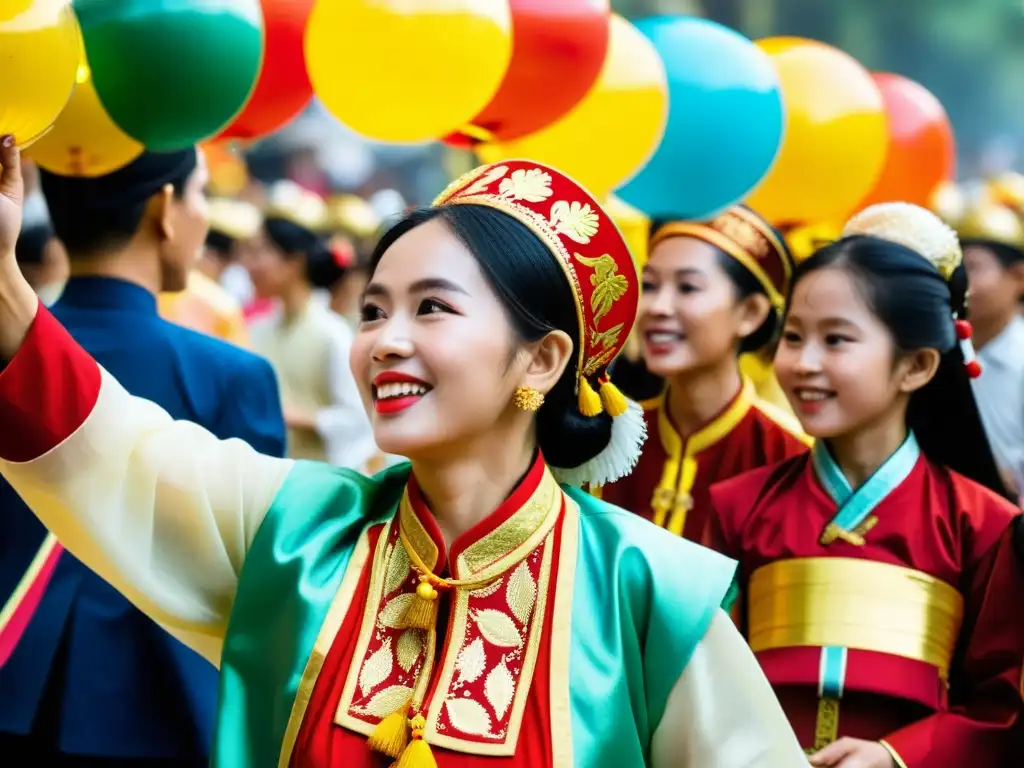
[410, 645]
[386, 702]
[468, 716]
[521, 592]
[609, 285]
[394, 611]
[605, 339]
[577, 221]
[498, 629]
[398, 568]
[377, 668]
[533, 185]
[471, 662]
[487, 591]
[499, 689]
[481, 184]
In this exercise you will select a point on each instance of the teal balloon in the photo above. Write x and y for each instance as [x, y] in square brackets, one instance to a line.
[171, 73]
[725, 121]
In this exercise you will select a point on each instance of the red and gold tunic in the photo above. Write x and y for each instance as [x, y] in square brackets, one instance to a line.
[671, 483]
[484, 680]
[878, 630]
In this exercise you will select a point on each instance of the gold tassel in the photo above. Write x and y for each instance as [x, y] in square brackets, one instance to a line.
[589, 400]
[391, 736]
[615, 403]
[422, 611]
[417, 755]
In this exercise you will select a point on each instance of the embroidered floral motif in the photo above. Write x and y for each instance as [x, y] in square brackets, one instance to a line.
[471, 662]
[395, 655]
[491, 664]
[468, 716]
[577, 221]
[609, 285]
[386, 701]
[395, 610]
[410, 646]
[481, 184]
[377, 668]
[521, 592]
[533, 186]
[499, 689]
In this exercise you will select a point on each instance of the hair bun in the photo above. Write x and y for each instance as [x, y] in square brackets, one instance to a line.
[913, 227]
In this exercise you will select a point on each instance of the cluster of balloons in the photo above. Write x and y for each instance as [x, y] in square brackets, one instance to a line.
[678, 116]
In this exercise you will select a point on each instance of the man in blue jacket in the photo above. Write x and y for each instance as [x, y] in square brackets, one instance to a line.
[91, 681]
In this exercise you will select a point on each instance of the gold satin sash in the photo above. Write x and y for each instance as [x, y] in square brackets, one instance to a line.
[856, 604]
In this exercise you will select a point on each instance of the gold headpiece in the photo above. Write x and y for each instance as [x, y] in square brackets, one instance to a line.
[234, 219]
[993, 223]
[949, 203]
[354, 215]
[287, 200]
[913, 227]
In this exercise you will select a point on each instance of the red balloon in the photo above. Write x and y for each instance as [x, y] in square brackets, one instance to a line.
[283, 89]
[922, 152]
[558, 50]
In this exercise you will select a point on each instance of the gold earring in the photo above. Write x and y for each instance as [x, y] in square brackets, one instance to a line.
[528, 399]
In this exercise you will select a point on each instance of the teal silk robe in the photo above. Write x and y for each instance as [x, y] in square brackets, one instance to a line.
[283, 573]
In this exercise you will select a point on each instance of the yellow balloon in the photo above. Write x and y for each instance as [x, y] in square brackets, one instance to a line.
[84, 141]
[836, 135]
[617, 126]
[40, 42]
[401, 71]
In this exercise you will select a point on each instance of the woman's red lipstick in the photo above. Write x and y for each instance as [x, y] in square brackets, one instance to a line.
[394, 391]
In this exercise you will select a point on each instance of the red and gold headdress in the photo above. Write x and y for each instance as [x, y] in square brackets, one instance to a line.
[750, 240]
[597, 263]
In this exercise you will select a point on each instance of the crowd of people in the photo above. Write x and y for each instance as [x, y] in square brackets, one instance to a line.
[336, 491]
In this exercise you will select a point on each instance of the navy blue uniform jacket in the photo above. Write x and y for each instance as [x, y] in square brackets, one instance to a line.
[92, 675]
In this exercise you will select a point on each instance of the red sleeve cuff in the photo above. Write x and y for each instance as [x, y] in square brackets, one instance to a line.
[47, 391]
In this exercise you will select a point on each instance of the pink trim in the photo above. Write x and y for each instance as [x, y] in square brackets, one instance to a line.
[47, 391]
[19, 620]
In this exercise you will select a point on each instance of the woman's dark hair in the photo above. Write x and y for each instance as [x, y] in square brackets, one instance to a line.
[220, 243]
[322, 269]
[745, 285]
[537, 299]
[918, 305]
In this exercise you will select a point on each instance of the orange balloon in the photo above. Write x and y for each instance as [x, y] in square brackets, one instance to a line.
[921, 153]
[836, 137]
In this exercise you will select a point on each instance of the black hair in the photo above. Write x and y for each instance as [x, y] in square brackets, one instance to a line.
[537, 299]
[31, 245]
[94, 215]
[917, 305]
[294, 240]
[220, 244]
[744, 285]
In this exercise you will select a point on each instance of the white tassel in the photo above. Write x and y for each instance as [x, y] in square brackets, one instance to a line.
[629, 431]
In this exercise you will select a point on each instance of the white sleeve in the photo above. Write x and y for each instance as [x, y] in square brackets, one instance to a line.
[344, 426]
[162, 510]
[722, 713]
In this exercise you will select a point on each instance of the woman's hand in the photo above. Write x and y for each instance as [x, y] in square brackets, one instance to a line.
[853, 753]
[18, 302]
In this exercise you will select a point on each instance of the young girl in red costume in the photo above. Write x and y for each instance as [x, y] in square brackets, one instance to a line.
[865, 564]
[711, 291]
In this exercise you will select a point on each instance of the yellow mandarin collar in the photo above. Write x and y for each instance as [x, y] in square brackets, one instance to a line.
[715, 430]
[496, 543]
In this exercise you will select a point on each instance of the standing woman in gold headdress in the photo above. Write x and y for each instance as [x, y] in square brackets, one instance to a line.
[462, 610]
[711, 292]
[305, 341]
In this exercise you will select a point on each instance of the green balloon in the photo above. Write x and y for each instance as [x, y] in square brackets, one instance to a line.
[171, 73]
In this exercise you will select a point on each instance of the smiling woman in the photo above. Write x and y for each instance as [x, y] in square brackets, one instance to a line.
[430, 614]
